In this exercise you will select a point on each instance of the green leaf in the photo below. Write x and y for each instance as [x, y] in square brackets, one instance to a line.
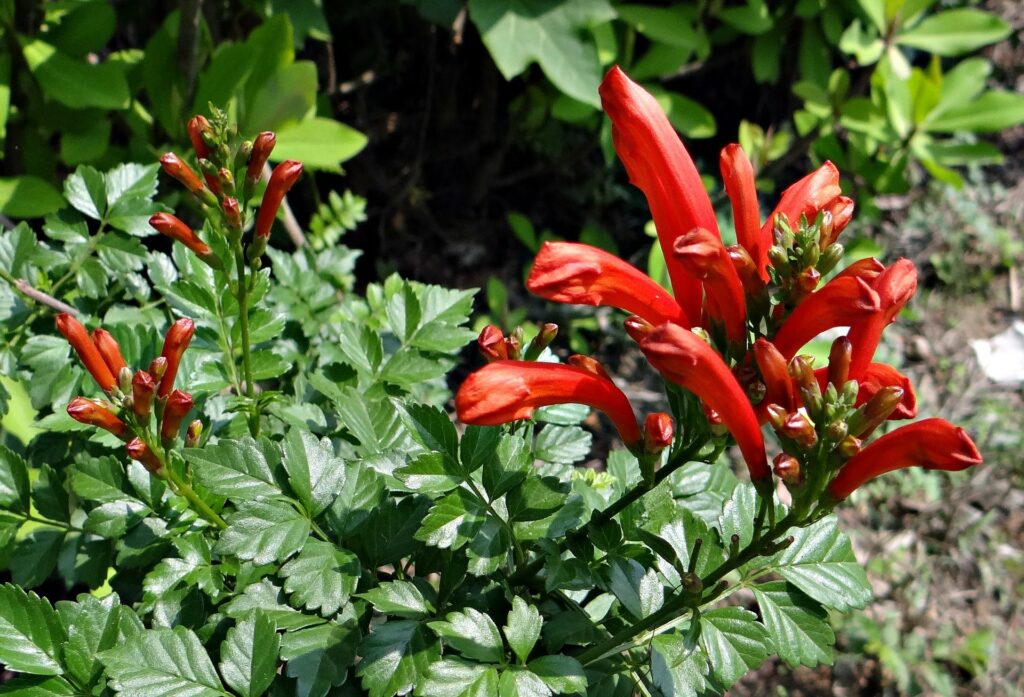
[264, 531]
[358, 499]
[239, 469]
[315, 473]
[734, 641]
[100, 479]
[453, 521]
[520, 32]
[954, 32]
[287, 95]
[536, 498]
[268, 598]
[38, 686]
[562, 444]
[563, 674]
[683, 533]
[248, 655]
[76, 83]
[433, 429]
[992, 111]
[676, 668]
[319, 657]
[35, 556]
[431, 473]
[488, 549]
[523, 628]
[738, 515]
[471, 633]
[396, 656]
[28, 196]
[454, 677]
[30, 633]
[639, 591]
[508, 468]
[797, 625]
[516, 681]
[752, 18]
[86, 190]
[398, 598]
[162, 663]
[321, 577]
[93, 625]
[669, 25]
[479, 446]
[112, 520]
[318, 143]
[14, 487]
[820, 562]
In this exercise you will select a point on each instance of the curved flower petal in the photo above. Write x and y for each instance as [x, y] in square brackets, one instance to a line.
[775, 374]
[929, 443]
[578, 274]
[839, 303]
[806, 196]
[738, 176]
[657, 163]
[683, 358]
[895, 286]
[701, 253]
[505, 391]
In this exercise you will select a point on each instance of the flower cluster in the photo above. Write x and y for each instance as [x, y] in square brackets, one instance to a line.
[223, 161]
[142, 408]
[732, 328]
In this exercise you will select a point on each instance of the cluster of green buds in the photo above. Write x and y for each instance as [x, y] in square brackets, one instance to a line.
[800, 257]
[231, 170]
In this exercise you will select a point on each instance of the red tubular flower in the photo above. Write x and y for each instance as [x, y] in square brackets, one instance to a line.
[701, 253]
[173, 227]
[175, 343]
[738, 176]
[658, 432]
[178, 405]
[894, 286]
[578, 274]
[879, 375]
[682, 357]
[143, 391]
[90, 356]
[806, 197]
[841, 210]
[175, 167]
[109, 349]
[506, 391]
[929, 443]
[657, 163]
[775, 373]
[491, 343]
[137, 450]
[93, 413]
[866, 269]
[197, 125]
[839, 303]
[282, 179]
[262, 146]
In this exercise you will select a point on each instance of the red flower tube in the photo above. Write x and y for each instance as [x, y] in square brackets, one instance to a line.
[894, 286]
[738, 176]
[282, 179]
[657, 163]
[506, 391]
[137, 450]
[175, 167]
[866, 269]
[806, 197]
[108, 348]
[178, 405]
[491, 343]
[578, 274]
[175, 343]
[93, 413]
[839, 303]
[841, 210]
[197, 125]
[879, 375]
[775, 373]
[929, 443]
[701, 253]
[262, 146]
[143, 391]
[90, 356]
[683, 358]
[658, 432]
[172, 226]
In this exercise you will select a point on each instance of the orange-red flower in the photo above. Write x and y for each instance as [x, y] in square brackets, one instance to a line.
[685, 359]
[94, 413]
[738, 176]
[505, 391]
[491, 343]
[658, 432]
[262, 146]
[775, 374]
[894, 286]
[197, 126]
[175, 343]
[578, 274]
[137, 450]
[839, 303]
[807, 197]
[701, 253]
[107, 345]
[173, 227]
[178, 405]
[90, 356]
[930, 443]
[282, 179]
[175, 167]
[657, 163]
[143, 391]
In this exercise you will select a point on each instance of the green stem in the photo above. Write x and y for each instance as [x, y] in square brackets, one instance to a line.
[183, 489]
[46, 521]
[243, 326]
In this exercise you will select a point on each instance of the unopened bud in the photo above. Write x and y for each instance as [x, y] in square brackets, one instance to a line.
[544, 337]
[777, 416]
[658, 432]
[746, 269]
[227, 180]
[109, 349]
[808, 280]
[232, 215]
[802, 372]
[782, 231]
[836, 431]
[124, 379]
[198, 128]
[137, 450]
[810, 255]
[261, 149]
[877, 409]
[175, 167]
[799, 428]
[143, 391]
[779, 258]
[178, 405]
[158, 367]
[830, 258]
[95, 413]
[491, 343]
[850, 391]
[637, 328]
[839, 361]
[514, 342]
[589, 364]
[282, 179]
[195, 429]
[787, 468]
[849, 446]
[243, 154]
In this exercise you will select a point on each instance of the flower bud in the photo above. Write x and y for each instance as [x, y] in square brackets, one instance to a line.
[799, 428]
[170, 226]
[808, 280]
[175, 167]
[849, 446]
[777, 416]
[192, 433]
[94, 413]
[779, 257]
[513, 342]
[810, 256]
[232, 216]
[658, 432]
[262, 146]
[157, 368]
[639, 329]
[227, 180]
[589, 364]
[803, 374]
[178, 405]
[746, 269]
[839, 361]
[137, 450]
[199, 130]
[836, 431]
[124, 380]
[830, 258]
[877, 409]
[242, 154]
[175, 343]
[544, 337]
[491, 343]
[787, 468]
[143, 391]
[281, 180]
[87, 352]
[108, 347]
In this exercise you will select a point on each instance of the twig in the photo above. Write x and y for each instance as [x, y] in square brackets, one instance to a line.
[23, 287]
[290, 222]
